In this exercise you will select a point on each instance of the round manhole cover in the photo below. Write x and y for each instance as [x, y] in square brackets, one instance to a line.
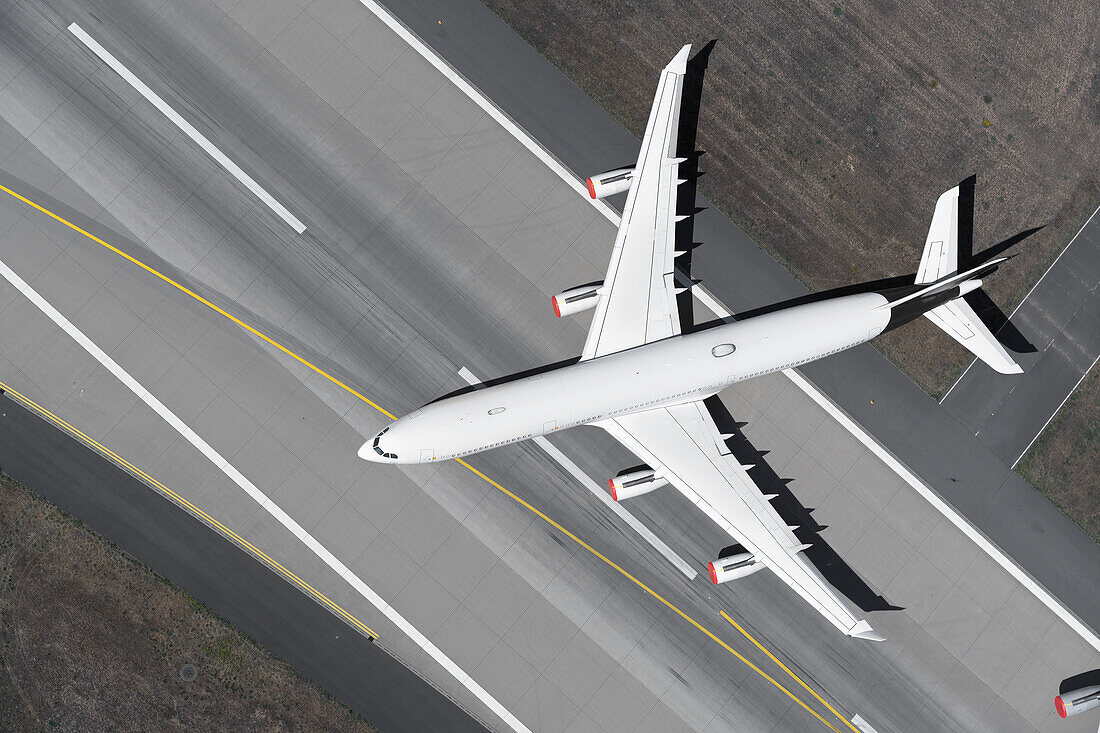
[188, 672]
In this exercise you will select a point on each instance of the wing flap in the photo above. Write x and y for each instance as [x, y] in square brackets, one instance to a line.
[683, 443]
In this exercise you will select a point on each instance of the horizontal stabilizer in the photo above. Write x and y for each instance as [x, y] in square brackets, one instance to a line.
[959, 321]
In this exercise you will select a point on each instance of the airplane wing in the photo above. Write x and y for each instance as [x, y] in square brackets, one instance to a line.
[638, 297]
[684, 446]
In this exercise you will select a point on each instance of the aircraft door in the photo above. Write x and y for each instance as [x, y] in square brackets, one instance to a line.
[426, 455]
[549, 426]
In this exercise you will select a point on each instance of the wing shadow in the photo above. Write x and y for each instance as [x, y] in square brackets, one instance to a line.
[690, 101]
[839, 574]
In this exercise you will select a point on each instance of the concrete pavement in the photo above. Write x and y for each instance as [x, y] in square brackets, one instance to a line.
[433, 242]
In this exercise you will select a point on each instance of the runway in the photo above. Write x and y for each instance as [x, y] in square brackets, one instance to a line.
[1060, 317]
[236, 587]
[432, 242]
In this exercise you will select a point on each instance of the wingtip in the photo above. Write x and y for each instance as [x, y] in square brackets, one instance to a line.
[678, 65]
[863, 630]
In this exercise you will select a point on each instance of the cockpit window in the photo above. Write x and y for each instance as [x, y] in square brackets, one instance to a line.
[378, 450]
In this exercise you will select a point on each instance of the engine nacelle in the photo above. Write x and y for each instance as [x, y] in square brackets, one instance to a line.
[576, 300]
[725, 569]
[634, 484]
[1077, 701]
[610, 183]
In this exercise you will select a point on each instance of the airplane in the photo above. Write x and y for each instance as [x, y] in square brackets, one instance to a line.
[643, 381]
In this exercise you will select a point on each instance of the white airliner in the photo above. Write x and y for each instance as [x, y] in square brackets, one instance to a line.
[644, 382]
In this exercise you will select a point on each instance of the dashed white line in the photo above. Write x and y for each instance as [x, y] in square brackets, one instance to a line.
[601, 494]
[269, 506]
[187, 128]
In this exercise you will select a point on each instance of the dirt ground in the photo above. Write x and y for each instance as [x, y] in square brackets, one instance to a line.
[830, 128]
[92, 640]
[1062, 463]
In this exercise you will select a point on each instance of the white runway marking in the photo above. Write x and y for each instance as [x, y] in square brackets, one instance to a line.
[975, 361]
[187, 128]
[710, 302]
[1056, 411]
[269, 506]
[600, 493]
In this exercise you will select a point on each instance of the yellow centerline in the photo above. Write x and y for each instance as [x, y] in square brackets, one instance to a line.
[390, 415]
[184, 503]
[786, 669]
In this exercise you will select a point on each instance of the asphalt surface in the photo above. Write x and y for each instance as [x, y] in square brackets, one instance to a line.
[231, 583]
[1060, 319]
[434, 242]
[973, 474]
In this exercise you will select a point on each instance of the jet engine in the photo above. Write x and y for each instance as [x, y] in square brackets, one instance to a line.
[1077, 701]
[725, 569]
[610, 183]
[576, 300]
[634, 484]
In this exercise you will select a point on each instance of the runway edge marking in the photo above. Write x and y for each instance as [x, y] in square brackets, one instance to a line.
[1012, 315]
[262, 499]
[601, 495]
[382, 410]
[187, 128]
[190, 508]
[525, 139]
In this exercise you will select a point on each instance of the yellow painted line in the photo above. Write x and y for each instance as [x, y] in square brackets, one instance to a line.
[648, 590]
[196, 296]
[786, 669]
[390, 415]
[188, 506]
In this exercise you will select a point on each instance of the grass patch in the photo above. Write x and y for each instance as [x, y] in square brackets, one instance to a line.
[91, 639]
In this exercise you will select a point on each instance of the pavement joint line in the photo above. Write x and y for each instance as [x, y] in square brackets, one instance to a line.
[787, 669]
[601, 495]
[1021, 305]
[708, 300]
[511, 720]
[262, 499]
[188, 129]
[192, 509]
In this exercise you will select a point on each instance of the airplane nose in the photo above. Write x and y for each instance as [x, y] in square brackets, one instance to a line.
[366, 452]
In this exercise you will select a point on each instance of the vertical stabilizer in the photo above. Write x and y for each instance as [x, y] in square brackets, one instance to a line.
[956, 318]
[941, 248]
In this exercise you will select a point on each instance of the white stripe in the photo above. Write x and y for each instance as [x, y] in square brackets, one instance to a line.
[187, 128]
[269, 506]
[863, 725]
[708, 300]
[600, 493]
[1056, 411]
[1020, 305]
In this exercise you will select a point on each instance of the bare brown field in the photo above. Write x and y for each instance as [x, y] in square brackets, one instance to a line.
[1062, 463]
[831, 128]
[92, 640]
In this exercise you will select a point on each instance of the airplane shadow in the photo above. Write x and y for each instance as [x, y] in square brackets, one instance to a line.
[839, 574]
[690, 102]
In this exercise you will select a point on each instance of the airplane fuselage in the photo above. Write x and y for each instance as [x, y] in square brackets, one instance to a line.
[679, 369]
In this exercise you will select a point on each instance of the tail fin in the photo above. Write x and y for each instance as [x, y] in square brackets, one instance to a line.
[956, 318]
